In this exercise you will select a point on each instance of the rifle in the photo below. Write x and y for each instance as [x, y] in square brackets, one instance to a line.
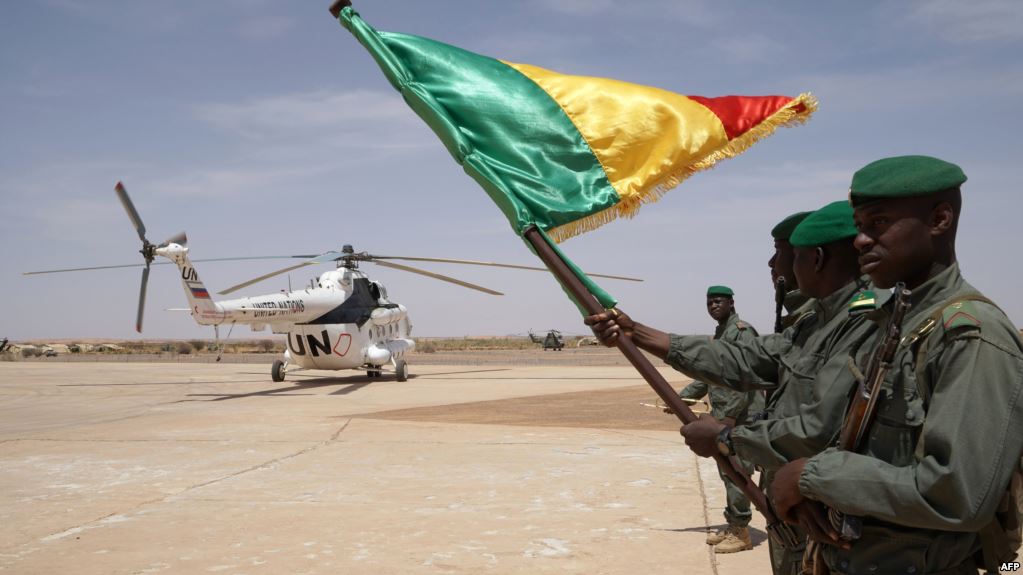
[863, 406]
[779, 303]
[779, 307]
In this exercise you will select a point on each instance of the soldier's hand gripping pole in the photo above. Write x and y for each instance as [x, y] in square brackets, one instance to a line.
[776, 528]
[337, 5]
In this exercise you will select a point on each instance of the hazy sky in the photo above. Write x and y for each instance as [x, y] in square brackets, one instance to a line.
[262, 127]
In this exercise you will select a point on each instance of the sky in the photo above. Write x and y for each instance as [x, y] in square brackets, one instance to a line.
[263, 128]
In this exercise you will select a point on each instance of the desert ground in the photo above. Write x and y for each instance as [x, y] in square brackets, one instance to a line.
[494, 462]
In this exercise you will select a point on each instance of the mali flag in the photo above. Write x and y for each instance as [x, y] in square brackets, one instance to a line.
[566, 153]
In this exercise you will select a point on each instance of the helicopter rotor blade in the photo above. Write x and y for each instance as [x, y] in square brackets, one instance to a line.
[162, 263]
[129, 207]
[89, 269]
[493, 264]
[437, 277]
[235, 288]
[179, 238]
[142, 299]
[324, 258]
[320, 259]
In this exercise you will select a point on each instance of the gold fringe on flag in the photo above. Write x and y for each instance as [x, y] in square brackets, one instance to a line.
[796, 112]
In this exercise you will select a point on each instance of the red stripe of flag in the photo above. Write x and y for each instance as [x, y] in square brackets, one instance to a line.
[740, 113]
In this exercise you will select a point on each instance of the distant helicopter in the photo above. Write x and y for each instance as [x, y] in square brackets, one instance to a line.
[344, 321]
[553, 340]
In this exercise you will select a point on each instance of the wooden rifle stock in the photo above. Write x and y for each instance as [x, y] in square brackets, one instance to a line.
[863, 406]
[777, 529]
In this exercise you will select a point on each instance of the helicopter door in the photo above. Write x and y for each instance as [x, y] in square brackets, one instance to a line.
[325, 346]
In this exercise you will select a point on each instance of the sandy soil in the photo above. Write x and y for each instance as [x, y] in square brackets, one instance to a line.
[133, 467]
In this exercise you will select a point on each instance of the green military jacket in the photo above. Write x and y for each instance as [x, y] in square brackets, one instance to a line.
[763, 362]
[794, 300]
[725, 402]
[947, 437]
[794, 303]
[805, 411]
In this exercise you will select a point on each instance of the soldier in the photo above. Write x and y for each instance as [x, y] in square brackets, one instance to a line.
[948, 432]
[782, 277]
[786, 287]
[731, 408]
[827, 270]
[805, 412]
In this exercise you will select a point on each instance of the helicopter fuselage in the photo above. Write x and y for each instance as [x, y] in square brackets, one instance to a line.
[343, 322]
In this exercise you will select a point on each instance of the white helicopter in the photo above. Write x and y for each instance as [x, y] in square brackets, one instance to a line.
[344, 321]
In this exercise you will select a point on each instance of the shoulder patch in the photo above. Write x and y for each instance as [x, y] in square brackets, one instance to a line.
[862, 302]
[959, 314]
[741, 325]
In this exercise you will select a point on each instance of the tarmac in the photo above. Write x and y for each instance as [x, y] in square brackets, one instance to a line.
[109, 468]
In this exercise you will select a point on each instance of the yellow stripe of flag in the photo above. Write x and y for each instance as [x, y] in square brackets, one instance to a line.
[616, 119]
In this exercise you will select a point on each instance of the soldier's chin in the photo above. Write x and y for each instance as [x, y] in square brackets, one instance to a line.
[877, 273]
[881, 280]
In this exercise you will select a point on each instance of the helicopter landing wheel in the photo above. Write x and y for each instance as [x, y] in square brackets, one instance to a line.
[277, 371]
[373, 373]
[401, 370]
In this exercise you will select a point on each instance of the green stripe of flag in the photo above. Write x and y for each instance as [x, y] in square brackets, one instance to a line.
[506, 131]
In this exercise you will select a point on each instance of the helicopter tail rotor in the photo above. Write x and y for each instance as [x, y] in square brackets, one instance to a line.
[133, 214]
[179, 238]
[142, 298]
[148, 250]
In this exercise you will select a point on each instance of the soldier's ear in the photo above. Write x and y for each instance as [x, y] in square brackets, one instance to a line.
[820, 258]
[942, 218]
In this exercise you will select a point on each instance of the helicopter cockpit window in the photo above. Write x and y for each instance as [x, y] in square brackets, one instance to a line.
[379, 292]
[356, 308]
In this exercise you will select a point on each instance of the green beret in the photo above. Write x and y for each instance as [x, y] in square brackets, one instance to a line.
[720, 290]
[783, 230]
[903, 176]
[829, 224]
